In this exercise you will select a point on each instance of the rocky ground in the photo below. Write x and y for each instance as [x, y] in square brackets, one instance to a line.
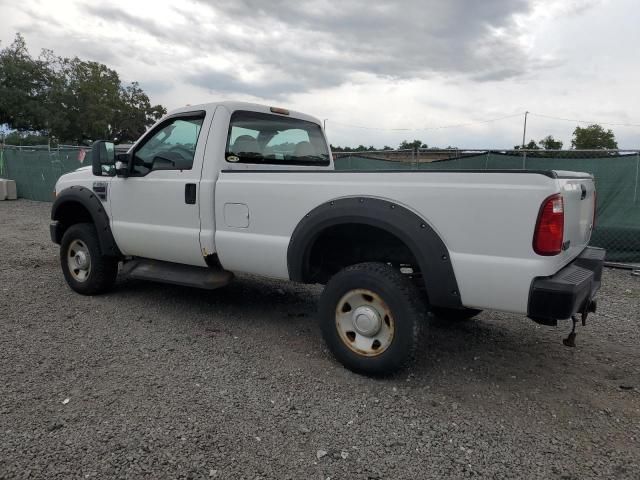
[158, 381]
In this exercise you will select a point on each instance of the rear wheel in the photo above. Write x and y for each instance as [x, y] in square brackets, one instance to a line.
[453, 314]
[371, 318]
[84, 267]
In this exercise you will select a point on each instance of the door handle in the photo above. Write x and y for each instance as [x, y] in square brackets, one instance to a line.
[190, 193]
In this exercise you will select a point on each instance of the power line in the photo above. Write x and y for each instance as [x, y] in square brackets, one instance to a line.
[637, 125]
[479, 122]
[458, 125]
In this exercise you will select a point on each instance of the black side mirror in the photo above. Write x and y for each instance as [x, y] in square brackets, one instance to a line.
[123, 164]
[103, 158]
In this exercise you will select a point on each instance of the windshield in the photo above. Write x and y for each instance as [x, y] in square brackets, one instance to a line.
[273, 139]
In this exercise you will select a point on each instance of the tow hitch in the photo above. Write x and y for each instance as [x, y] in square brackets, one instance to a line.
[590, 307]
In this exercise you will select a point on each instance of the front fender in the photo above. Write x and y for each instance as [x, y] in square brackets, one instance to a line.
[62, 217]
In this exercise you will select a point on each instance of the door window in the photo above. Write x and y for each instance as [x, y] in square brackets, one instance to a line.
[171, 147]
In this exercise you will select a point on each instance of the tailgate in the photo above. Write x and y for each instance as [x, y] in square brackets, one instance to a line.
[578, 193]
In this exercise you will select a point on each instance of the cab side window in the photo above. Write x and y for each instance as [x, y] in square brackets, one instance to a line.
[171, 147]
[262, 138]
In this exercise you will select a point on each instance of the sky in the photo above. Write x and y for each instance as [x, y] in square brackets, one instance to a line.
[451, 73]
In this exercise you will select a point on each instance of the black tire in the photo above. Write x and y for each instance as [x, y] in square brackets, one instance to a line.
[454, 314]
[102, 271]
[406, 308]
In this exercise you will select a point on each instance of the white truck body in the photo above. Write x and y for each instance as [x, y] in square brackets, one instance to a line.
[486, 219]
[246, 213]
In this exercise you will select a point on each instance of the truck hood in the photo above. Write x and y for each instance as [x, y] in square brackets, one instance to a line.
[80, 176]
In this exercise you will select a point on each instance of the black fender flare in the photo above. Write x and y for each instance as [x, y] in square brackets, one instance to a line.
[89, 200]
[425, 244]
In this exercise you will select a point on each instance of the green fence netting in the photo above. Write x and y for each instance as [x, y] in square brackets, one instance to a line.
[616, 175]
[36, 170]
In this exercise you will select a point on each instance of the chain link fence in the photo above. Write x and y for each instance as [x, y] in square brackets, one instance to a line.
[616, 174]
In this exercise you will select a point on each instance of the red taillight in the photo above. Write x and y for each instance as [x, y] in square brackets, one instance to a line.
[549, 233]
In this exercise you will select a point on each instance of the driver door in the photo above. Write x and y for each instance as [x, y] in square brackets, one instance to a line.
[155, 211]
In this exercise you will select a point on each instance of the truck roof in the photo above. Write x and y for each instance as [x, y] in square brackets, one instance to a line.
[233, 106]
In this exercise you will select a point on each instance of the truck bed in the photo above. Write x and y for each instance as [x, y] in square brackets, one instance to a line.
[485, 218]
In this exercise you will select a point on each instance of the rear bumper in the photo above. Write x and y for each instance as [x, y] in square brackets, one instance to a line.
[569, 291]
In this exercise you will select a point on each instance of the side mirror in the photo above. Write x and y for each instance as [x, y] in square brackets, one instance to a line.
[122, 166]
[103, 158]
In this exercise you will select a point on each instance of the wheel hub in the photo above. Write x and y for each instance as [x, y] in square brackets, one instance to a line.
[366, 321]
[81, 260]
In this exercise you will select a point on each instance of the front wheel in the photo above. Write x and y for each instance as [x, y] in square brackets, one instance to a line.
[84, 267]
[371, 318]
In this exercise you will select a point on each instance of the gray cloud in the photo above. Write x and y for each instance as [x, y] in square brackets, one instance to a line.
[291, 47]
[228, 83]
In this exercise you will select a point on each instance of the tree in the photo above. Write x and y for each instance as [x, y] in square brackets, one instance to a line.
[22, 138]
[136, 113]
[532, 145]
[550, 143]
[24, 88]
[593, 137]
[359, 148]
[90, 94]
[407, 145]
[72, 100]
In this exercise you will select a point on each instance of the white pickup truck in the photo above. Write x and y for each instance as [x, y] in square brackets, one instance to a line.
[216, 189]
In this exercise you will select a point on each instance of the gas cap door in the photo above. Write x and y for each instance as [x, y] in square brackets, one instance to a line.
[236, 215]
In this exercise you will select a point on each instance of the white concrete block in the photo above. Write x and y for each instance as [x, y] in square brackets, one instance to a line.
[12, 190]
[8, 189]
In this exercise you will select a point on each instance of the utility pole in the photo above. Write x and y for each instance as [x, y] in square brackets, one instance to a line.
[324, 124]
[524, 132]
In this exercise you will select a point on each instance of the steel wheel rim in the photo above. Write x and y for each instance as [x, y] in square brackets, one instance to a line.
[79, 260]
[364, 322]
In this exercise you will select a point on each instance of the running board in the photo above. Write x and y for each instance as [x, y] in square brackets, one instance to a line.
[177, 274]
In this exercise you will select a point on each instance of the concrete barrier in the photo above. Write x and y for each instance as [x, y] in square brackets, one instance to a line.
[8, 189]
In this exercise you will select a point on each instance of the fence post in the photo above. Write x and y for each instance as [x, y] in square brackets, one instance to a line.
[635, 187]
[486, 161]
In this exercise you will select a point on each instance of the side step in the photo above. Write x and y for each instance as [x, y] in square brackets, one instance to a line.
[177, 274]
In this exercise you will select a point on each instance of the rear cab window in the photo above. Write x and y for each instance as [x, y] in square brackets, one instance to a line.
[262, 138]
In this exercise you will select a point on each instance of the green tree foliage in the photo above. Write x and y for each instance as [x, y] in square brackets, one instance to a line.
[550, 143]
[359, 148]
[70, 99]
[593, 137]
[24, 88]
[532, 145]
[407, 145]
[24, 138]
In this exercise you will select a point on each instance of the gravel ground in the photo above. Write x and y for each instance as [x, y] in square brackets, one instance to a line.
[158, 381]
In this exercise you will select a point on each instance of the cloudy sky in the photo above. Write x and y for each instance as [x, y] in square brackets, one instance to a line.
[401, 69]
